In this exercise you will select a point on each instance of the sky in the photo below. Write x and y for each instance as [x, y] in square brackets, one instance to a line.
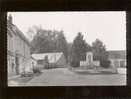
[109, 27]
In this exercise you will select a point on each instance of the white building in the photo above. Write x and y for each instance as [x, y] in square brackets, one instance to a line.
[56, 59]
[18, 49]
[117, 58]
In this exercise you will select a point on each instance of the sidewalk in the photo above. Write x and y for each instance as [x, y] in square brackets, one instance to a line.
[19, 80]
[13, 77]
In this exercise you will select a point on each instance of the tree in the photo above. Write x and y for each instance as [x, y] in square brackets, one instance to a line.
[79, 49]
[43, 41]
[69, 49]
[61, 44]
[100, 53]
[33, 31]
[48, 41]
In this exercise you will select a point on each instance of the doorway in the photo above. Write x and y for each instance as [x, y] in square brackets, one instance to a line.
[17, 64]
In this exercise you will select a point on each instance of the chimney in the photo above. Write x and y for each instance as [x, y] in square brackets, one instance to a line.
[10, 19]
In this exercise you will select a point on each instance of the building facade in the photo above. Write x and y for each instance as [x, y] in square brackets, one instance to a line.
[18, 50]
[55, 59]
[117, 58]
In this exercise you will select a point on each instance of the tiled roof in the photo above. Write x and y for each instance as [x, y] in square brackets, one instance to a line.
[14, 29]
[119, 54]
[52, 57]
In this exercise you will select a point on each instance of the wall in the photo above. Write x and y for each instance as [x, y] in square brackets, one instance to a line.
[117, 62]
[96, 63]
[89, 60]
[17, 45]
[83, 63]
[121, 70]
[10, 56]
[24, 50]
[62, 61]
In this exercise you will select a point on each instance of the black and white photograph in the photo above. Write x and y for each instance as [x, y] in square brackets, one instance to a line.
[66, 48]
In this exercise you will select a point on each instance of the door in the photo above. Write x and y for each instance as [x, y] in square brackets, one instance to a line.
[17, 64]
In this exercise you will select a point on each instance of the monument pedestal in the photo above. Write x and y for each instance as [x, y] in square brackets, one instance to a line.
[89, 63]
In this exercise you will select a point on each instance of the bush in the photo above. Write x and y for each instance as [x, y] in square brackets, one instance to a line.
[46, 66]
[27, 74]
[105, 63]
[46, 62]
[36, 70]
[90, 67]
[75, 63]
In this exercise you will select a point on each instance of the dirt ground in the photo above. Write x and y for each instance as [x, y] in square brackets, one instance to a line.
[64, 77]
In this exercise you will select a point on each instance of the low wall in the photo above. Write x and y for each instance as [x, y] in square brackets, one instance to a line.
[121, 70]
[83, 63]
[96, 63]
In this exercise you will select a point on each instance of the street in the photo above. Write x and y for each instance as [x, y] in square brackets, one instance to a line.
[64, 77]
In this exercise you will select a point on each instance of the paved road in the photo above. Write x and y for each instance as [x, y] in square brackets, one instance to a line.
[64, 77]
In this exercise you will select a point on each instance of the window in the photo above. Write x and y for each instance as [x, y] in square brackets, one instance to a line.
[122, 63]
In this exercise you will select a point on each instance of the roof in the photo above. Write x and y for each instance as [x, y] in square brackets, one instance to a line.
[52, 57]
[119, 54]
[33, 58]
[14, 29]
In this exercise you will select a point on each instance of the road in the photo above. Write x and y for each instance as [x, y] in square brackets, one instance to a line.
[64, 77]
